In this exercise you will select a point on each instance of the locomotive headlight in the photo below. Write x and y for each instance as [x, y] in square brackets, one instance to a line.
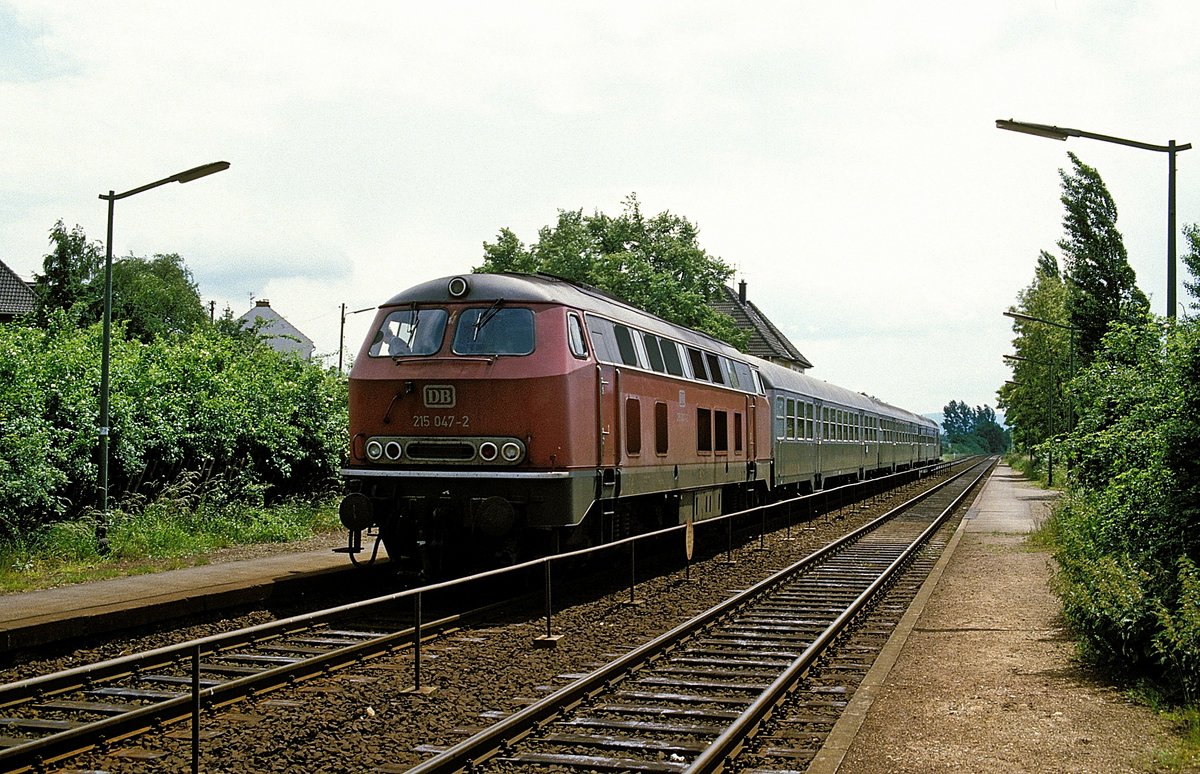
[488, 451]
[457, 287]
[374, 450]
[511, 451]
[392, 450]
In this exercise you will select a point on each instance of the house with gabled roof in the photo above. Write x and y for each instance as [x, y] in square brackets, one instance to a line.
[16, 296]
[766, 341]
[279, 334]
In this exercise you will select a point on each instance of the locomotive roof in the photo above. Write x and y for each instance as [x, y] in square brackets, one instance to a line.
[548, 289]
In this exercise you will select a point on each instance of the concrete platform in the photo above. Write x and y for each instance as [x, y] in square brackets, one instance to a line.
[1007, 506]
[34, 618]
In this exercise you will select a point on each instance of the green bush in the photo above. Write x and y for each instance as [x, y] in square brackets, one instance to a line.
[1126, 537]
[1177, 642]
[206, 417]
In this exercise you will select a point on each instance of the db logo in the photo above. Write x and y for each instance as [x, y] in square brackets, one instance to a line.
[439, 396]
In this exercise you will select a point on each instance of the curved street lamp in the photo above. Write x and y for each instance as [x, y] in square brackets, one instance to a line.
[111, 197]
[1062, 133]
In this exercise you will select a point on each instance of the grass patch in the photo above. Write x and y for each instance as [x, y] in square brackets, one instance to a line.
[1045, 536]
[164, 535]
[1182, 753]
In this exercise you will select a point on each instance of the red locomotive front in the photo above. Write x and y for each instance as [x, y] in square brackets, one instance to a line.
[466, 428]
[496, 416]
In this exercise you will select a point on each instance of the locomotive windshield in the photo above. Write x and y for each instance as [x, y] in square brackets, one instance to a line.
[494, 330]
[409, 332]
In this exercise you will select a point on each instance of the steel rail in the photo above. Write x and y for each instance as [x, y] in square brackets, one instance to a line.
[54, 747]
[490, 741]
[728, 743]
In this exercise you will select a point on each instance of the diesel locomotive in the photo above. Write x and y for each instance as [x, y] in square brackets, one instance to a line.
[499, 416]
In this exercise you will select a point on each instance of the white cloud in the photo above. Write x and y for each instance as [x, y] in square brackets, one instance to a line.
[843, 157]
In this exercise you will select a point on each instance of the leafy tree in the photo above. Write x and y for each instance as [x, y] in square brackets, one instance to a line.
[1095, 289]
[653, 263]
[1101, 285]
[1192, 261]
[156, 296]
[1036, 400]
[957, 421]
[973, 430]
[68, 281]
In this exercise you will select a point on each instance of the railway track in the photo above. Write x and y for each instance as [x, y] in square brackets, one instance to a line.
[53, 717]
[690, 699]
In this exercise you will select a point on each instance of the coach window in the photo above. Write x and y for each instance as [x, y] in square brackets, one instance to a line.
[721, 431]
[714, 368]
[633, 426]
[790, 413]
[704, 430]
[602, 339]
[575, 337]
[654, 353]
[670, 354]
[809, 430]
[780, 418]
[731, 372]
[744, 380]
[660, 428]
[625, 345]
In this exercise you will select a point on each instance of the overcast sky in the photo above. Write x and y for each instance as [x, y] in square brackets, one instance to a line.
[844, 159]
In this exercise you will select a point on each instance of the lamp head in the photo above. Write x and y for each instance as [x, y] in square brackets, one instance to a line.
[202, 171]
[1040, 130]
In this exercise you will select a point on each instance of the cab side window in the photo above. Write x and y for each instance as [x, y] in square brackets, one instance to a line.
[575, 338]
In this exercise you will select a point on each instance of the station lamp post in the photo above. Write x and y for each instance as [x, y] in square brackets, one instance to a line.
[111, 197]
[1062, 133]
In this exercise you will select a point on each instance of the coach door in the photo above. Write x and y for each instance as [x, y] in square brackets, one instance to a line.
[608, 448]
[608, 420]
[751, 428]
